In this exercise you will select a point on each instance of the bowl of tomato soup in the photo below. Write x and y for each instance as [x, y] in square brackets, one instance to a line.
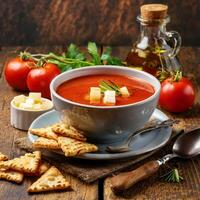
[107, 102]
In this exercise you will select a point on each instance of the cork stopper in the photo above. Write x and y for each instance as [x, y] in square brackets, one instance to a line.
[153, 11]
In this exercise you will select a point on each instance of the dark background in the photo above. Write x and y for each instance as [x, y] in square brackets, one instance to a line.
[108, 22]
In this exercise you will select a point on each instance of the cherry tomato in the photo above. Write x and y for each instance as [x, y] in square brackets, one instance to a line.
[177, 96]
[39, 78]
[16, 71]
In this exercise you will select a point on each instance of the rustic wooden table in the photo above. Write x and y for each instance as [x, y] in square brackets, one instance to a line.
[153, 188]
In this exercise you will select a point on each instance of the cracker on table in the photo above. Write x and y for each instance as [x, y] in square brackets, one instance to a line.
[3, 157]
[72, 147]
[46, 143]
[28, 163]
[68, 131]
[43, 167]
[49, 181]
[11, 175]
[44, 132]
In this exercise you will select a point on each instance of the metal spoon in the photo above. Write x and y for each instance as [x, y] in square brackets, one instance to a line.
[125, 147]
[186, 146]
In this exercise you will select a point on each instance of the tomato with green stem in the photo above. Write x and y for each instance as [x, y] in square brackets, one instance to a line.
[16, 72]
[39, 78]
[177, 94]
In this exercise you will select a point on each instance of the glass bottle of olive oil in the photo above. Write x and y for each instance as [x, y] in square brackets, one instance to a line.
[156, 49]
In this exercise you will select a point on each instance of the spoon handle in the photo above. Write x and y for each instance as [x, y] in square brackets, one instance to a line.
[126, 180]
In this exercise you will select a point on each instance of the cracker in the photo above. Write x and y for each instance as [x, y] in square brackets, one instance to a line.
[72, 147]
[11, 175]
[3, 157]
[28, 163]
[49, 181]
[44, 132]
[45, 143]
[68, 131]
[43, 167]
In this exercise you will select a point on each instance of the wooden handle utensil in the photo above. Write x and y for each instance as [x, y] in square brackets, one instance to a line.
[126, 180]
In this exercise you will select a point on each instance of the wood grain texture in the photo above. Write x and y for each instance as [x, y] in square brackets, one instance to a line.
[10, 191]
[108, 22]
[154, 187]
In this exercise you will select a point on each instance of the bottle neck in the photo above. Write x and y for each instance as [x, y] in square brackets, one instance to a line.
[152, 31]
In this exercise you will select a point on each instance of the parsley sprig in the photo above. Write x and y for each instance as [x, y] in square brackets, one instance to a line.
[73, 58]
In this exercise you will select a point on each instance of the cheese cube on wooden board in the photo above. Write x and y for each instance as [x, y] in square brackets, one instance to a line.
[109, 97]
[95, 95]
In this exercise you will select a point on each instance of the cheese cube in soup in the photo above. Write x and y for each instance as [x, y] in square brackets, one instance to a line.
[95, 95]
[109, 97]
[124, 91]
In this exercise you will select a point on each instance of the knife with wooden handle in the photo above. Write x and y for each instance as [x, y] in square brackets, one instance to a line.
[125, 180]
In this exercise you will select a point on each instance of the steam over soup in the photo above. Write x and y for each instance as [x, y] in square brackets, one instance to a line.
[105, 90]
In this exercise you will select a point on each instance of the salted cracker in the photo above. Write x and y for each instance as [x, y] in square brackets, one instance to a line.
[72, 147]
[28, 163]
[45, 143]
[43, 167]
[11, 175]
[68, 131]
[3, 157]
[44, 132]
[49, 181]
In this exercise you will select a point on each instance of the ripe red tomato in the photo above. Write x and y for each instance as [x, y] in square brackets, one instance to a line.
[16, 71]
[39, 78]
[177, 96]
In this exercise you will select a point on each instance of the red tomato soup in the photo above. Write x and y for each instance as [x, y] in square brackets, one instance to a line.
[77, 90]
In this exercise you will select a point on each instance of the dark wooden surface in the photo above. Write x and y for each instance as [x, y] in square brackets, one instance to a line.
[113, 22]
[154, 188]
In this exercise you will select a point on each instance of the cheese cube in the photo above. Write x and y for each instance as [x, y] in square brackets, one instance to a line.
[19, 99]
[36, 96]
[124, 92]
[95, 95]
[30, 101]
[26, 106]
[37, 106]
[109, 97]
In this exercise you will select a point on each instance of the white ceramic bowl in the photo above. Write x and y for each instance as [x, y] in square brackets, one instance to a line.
[105, 123]
[22, 119]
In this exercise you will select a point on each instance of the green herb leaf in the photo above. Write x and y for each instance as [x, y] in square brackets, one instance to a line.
[109, 85]
[106, 54]
[93, 51]
[108, 59]
[74, 52]
[172, 176]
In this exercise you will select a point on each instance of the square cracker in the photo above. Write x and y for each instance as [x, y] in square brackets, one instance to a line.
[45, 143]
[50, 180]
[11, 175]
[3, 157]
[44, 132]
[28, 163]
[68, 131]
[72, 147]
